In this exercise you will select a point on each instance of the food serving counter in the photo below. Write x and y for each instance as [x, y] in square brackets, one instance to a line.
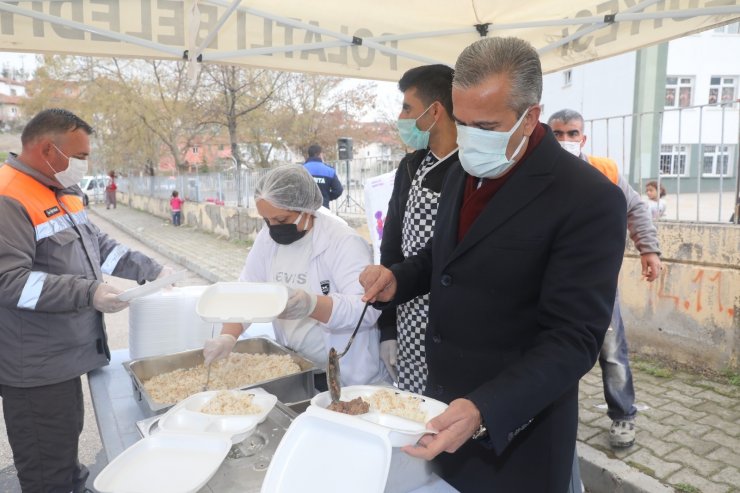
[122, 421]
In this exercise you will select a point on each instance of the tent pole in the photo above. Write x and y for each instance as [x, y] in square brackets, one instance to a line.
[217, 28]
[580, 33]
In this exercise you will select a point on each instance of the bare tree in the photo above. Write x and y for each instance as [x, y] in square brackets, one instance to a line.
[234, 94]
[318, 109]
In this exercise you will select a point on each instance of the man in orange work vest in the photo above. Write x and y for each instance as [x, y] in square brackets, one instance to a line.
[52, 299]
[567, 125]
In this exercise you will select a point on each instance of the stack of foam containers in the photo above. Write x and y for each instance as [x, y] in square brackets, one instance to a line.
[165, 322]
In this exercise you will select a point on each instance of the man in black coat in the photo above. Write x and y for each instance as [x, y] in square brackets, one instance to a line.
[522, 273]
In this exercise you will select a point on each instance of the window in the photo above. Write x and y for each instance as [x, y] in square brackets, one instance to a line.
[195, 149]
[678, 91]
[733, 28]
[673, 159]
[716, 160]
[567, 77]
[721, 89]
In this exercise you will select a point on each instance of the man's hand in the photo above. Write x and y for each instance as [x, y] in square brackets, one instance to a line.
[455, 426]
[389, 355]
[379, 283]
[300, 305]
[650, 266]
[105, 299]
[218, 348]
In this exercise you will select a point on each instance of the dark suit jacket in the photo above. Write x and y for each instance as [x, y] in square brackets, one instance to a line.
[518, 313]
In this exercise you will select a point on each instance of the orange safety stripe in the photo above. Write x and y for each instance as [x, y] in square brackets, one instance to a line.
[607, 166]
[39, 201]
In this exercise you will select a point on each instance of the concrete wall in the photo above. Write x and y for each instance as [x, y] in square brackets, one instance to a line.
[227, 222]
[690, 314]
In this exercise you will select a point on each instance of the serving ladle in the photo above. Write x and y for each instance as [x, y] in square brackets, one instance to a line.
[208, 369]
[332, 367]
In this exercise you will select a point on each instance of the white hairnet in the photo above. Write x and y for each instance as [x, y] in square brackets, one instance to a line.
[290, 187]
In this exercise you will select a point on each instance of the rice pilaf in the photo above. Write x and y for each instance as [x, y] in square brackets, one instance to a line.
[404, 406]
[238, 370]
[231, 403]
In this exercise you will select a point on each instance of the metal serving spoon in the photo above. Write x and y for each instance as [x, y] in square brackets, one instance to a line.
[208, 368]
[208, 377]
[332, 367]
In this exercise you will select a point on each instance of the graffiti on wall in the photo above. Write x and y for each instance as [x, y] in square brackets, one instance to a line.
[705, 291]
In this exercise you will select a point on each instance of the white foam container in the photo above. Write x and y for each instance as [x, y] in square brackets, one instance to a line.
[165, 462]
[242, 302]
[186, 417]
[332, 453]
[400, 431]
[166, 322]
[152, 287]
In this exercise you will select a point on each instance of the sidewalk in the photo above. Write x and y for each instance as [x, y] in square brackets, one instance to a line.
[688, 437]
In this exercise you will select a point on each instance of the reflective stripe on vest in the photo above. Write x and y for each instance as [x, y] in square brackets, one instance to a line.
[32, 290]
[111, 261]
[607, 166]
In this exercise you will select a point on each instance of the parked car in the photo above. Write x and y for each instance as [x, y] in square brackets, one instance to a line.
[93, 188]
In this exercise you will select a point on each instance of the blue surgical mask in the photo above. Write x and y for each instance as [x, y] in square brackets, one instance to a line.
[483, 152]
[410, 133]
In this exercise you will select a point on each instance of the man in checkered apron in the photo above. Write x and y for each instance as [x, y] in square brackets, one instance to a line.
[425, 124]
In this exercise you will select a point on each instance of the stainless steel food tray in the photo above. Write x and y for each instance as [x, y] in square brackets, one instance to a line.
[288, 389]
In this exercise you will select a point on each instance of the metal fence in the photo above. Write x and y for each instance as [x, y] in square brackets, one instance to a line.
[692, 151]
[226, 188]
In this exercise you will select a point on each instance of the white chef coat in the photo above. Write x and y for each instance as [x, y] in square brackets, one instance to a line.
[337, 257]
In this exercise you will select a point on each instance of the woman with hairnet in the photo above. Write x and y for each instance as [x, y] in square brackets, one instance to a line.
[320, 259]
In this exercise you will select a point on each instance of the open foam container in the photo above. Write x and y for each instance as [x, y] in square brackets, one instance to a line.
[334, 453]
[242, 302]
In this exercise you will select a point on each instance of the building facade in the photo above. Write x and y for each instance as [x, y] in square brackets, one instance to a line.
[669, 112]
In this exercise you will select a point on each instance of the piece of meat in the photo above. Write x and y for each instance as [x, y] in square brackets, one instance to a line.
[355, 406]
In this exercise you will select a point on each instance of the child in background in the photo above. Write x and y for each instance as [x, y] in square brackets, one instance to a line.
[176, 206]
[655, 204]
[110, 191]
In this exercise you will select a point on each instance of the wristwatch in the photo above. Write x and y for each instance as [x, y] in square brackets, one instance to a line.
[481, 433]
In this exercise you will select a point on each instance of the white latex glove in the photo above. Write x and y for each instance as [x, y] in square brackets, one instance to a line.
[218, 348]
[389, 355]
[166, 271]
[300, 305]
[105, 299]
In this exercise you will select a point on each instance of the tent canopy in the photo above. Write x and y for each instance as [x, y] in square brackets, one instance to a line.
[378, 39]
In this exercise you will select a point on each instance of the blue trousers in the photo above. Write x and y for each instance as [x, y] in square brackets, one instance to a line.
[619, 391]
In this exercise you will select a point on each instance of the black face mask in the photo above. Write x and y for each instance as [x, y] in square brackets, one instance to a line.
[284, 234]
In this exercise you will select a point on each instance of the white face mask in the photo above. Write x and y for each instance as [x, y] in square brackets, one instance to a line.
[71, 176]
[572, 147]
[483, 152]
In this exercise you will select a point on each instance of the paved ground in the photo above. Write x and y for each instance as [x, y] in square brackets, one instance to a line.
[688, 430]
